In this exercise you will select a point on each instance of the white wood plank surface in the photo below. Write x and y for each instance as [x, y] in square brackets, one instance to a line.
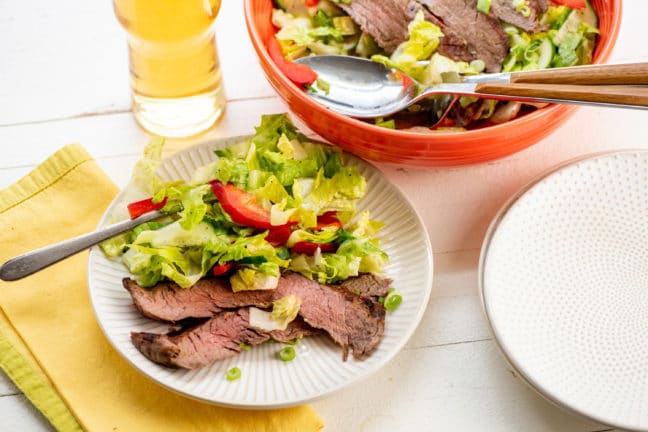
[70, 60]
[64, 78]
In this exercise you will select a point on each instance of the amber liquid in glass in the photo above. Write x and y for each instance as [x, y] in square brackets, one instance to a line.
[175, 73]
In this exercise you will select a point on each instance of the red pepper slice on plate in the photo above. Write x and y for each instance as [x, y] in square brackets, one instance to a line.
[311, 3]
[298, 73]
[221, 269]
[328, 219]
[278, 235]
[138, 208]
[309, 248]
[241, 205]
[575, 4]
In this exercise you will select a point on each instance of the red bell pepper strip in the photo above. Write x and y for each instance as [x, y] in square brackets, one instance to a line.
[405, 79]
[278, 235]
[309, 248]
[574, 4]
[328, 219]
[311, 3]
[138, 208]
[221, 269]
[446, 122]
[241, 205]
[298, 73]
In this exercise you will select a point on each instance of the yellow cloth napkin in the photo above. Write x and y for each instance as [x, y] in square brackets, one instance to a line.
[50, 343]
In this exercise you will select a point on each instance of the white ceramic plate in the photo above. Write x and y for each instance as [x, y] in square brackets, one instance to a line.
[564, 281]
[318, 369]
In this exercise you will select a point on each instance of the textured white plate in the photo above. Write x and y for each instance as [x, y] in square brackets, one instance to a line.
[564, 280]
[318, 369]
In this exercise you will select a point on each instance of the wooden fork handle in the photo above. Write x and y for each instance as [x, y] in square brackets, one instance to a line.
[627, 73]
[631, 97]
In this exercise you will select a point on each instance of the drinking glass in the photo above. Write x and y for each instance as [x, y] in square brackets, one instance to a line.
[176, 80]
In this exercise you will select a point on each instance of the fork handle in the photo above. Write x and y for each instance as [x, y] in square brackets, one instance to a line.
[31, 262]
[620, 96]
[626, 73]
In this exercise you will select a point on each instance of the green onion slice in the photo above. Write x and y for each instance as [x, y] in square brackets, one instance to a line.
[393, 300]
[233, 374]
[287, 353]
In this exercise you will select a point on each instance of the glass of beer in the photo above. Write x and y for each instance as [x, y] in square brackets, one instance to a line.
[176, 81]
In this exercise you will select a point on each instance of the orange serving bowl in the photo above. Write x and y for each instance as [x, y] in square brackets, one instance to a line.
[401, 147]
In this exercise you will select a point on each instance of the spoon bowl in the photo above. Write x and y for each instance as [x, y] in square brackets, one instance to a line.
[361, 88]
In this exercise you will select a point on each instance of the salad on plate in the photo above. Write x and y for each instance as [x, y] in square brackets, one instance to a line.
[265, 243]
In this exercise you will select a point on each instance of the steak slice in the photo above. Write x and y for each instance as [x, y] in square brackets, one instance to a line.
[484, 36]
[452, 44]
[385, 20]
[505, 10]
[215, 339]
[353, 322]
[468, 33]
[367, 285]
[167, 302]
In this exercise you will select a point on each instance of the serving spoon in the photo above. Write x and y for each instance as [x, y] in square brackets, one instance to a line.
[361, 88]
[31, 262]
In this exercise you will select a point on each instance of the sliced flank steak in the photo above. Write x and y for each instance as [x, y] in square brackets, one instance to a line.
[214, 339]
[468, 33]
[483, 35]
[367, 285]
[506, 11]
[385, 21]
[167, 302]
[354, 322]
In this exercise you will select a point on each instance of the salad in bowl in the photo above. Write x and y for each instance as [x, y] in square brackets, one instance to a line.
[436, 41]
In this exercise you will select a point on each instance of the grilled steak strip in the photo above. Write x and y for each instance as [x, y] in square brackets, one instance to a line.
[386, 20]
[368, 285]
[484, 36]
[505, 10]
[168, 302]
[215, 339]
[352, 321]
[468, 33]
[452, 44]
[296, 329]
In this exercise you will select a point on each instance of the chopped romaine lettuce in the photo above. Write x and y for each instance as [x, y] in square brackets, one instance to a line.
[289, 178]
[421, 44]
[248, 279]
[151, 265]
[143, 176]
[284, 311]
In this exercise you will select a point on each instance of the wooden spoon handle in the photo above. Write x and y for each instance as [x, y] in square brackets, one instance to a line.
[628, 73]
[632, 97]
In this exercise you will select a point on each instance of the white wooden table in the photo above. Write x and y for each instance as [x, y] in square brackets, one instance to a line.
[64, 78]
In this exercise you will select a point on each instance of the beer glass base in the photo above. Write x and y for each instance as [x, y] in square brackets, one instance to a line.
[179, 117]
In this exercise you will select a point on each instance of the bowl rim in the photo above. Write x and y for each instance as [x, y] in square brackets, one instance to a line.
[602, 54]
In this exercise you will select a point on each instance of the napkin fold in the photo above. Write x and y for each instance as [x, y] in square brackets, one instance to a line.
[52, 347]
